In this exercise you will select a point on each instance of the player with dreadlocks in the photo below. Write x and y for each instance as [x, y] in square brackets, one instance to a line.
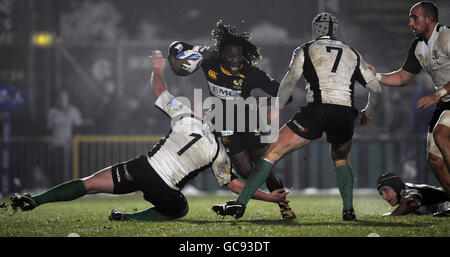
[229, 67]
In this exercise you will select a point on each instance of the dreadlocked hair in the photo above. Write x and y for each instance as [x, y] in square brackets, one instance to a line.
[225, 35]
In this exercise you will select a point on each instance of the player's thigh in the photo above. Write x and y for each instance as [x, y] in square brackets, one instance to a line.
[99, 182]
[242, 163]
[287, 142]
[441, 131]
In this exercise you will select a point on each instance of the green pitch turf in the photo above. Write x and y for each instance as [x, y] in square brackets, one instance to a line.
[317, 216]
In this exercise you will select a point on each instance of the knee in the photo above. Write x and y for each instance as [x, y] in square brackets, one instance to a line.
[243, 169]
[181, 212]
[435, 162]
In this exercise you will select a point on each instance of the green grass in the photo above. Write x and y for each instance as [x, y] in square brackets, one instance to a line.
[317, 216]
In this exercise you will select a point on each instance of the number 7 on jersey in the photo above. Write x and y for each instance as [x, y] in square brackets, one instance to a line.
[338, 56]
[196, 137]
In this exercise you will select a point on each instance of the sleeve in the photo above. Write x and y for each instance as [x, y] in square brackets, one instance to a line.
[171, 105]
[412, 195]
[292, 76]
[411, 63]
[363, 74]
[260, 79]
[221, 167]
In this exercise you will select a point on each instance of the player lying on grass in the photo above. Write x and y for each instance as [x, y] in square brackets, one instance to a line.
[188, 149]
[413, 198]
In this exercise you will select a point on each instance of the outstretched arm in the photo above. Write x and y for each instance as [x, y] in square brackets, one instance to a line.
[275, 196]
[399, 78]
[157, 80]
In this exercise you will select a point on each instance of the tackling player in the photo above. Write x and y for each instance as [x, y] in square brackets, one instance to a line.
[230, 72]
[430, 51]
[413, 198]
[160, 174]
[330, 68]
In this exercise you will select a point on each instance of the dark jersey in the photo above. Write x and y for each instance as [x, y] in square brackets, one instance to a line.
[426, 194]
[223, 84]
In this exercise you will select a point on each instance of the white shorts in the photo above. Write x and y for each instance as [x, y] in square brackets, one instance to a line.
[444, 119]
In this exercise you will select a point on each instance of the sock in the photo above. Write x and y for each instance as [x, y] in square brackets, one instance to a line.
[273, 182]
[257, 177]
[67, 191]
[149, 214]
[344, 179]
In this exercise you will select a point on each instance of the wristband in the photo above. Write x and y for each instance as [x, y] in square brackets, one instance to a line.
[378, 76]
[441, 92]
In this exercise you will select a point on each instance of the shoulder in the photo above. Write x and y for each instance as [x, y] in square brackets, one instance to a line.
[444, 35]
[256, 73]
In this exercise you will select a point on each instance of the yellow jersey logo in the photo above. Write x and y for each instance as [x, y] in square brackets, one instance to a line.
[212, 74]
[238, 82]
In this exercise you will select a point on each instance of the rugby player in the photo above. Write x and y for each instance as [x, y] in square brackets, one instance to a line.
[411, 198]
[230, 72]
[430, 51]
[330, 68]
[188, 149]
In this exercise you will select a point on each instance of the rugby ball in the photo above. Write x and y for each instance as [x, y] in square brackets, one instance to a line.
[193, 57]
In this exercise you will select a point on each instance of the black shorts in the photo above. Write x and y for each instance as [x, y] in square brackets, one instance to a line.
[313, 120]
[242, 141]
[440, 108]
[138, 175]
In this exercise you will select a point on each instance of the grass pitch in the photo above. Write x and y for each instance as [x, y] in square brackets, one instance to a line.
[317, 216]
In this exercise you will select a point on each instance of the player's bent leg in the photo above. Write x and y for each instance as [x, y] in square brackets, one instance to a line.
[344, 177]
[99, 182]
[440, 170]
[242, 163]
[287, 141]
[274, 182]
[160, 212]
[441, 136]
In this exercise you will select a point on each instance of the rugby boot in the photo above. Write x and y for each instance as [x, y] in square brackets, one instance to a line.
[231, 208]
[285, 210]
[445, 213]
[24, 202]
[349, 215]
[116, 216]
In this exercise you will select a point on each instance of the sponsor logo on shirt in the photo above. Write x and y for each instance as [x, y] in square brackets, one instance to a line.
[127, 175]
[212, 74]
[238, 82]
[173, 104]
[435, 55]
[223, 92]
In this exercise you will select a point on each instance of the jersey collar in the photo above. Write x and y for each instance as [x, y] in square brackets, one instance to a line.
[229, 73]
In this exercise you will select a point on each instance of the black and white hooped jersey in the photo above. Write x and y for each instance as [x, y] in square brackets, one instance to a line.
[433, 56]
[190, 147]
[330, 68]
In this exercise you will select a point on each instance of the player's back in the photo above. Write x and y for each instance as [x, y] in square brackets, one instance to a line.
[186, 150]
[329, 68]
[189, 148]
